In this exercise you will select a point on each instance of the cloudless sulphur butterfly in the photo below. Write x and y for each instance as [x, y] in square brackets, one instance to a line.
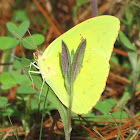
[100, 34]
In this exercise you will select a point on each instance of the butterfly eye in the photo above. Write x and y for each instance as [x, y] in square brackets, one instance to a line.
[35, 55]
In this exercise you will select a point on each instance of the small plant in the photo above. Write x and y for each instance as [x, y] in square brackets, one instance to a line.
[71, 65]
[12, 76]
[133, 54]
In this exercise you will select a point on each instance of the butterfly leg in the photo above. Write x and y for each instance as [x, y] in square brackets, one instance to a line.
[33, 64]
[33, 83]
[41, 90]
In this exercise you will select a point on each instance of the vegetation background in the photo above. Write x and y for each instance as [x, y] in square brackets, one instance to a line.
[20, 113]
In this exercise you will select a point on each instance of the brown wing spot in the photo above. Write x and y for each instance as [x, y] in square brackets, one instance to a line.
[49, 68]
[81, 37]
[43, 59]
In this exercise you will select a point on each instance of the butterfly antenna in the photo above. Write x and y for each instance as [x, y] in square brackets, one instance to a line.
[24, 39]
[33, 40]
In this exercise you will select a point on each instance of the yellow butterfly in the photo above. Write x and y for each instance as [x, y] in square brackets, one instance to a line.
[100, 34]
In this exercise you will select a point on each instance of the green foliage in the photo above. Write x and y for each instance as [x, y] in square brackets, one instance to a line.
[19, 31]
[37, 81]
[131, 18]
[12, 77]
[19, 15]
[126, 96]
[9, 111]
[8, 43]
[17, 64]
[34, 105]
[105, 106]
[24, 89]
[3, 101]
[114, 59]
[126, 42]
[38, 38]
[108, 117]
[7, 80]
[79, 3]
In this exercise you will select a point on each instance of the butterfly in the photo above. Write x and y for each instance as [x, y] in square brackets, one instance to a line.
[100, 34]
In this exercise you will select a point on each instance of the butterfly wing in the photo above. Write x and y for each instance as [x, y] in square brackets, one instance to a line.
[100, 33]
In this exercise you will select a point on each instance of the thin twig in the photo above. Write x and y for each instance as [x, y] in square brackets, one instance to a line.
[117, 127]
[134, 134]
[47, 17]
[94, 8]
[92, 128]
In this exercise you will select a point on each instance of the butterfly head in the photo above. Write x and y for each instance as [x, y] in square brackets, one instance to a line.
[37, 54]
